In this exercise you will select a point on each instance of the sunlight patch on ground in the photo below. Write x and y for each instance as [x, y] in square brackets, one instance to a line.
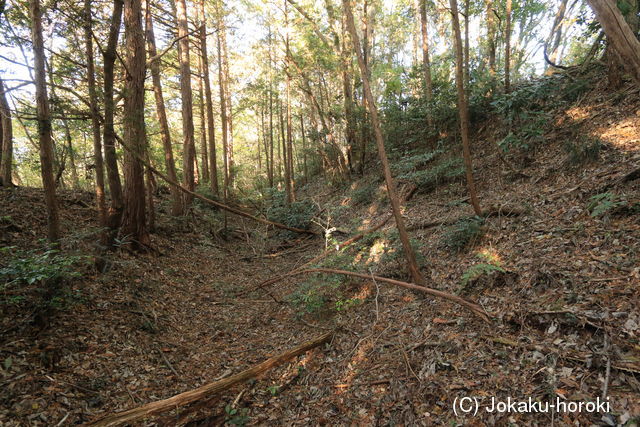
[623, 134]
[358, 358]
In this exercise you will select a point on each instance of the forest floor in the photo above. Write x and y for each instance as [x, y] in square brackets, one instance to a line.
[563, 300]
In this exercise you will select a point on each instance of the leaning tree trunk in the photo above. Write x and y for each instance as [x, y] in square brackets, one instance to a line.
[188, 153]
[165, 134]
[134, 228]
[109, 135]
[95, 120]
[375, 121]
[44, 123]
[463, 109]
[619, 35]
[6, 139]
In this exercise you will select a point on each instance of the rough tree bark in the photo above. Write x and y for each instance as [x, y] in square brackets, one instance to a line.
[463, 109]
[108, 132]
[619, 35]
[134, 227]
[95, 119]
[6, 139]
[44, 123]
[375, 121]
[154, 66]
[188, 151]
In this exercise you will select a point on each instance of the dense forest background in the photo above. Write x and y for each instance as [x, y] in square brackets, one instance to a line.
[318, 212]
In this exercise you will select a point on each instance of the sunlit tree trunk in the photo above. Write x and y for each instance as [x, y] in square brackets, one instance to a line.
[619, 35]
[109, 136]
[391, 187]
[188, 150]
[223, 103]
[6, 139]
[165, 134]
[44, 123]
[463, 109]
[211, 131]
[134, 227]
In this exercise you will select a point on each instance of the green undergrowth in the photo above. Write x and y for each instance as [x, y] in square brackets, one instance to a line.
[43, 272]
[463, 234]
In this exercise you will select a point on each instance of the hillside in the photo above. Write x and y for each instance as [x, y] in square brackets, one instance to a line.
[555, 263]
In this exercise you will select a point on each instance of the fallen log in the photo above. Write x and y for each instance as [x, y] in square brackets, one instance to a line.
[473, 307]
[206, 391]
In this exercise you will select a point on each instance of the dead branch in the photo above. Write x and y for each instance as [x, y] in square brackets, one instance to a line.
[206, 391]
[473, 307]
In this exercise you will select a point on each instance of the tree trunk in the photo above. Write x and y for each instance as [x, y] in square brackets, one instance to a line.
[553, 41]
[176, 197]
[391, 187]
[44, 123]
[491, 37]
[95, 120]
[507, 48]
[109, 136]
[304, 151]
[463, 109]
[287, 148]
[213, 166]
[75, 182]
[204, 152]
[467, 71]
[426, 63]
[6, 139]
[188, 151]
[134, 227]
[223, 103]
[619, 35]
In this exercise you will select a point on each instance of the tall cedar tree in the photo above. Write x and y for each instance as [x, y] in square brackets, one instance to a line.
[188, 150]
[134, 228]
[44, 123]
[95, 118]
[108, 133]
[211, 131]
